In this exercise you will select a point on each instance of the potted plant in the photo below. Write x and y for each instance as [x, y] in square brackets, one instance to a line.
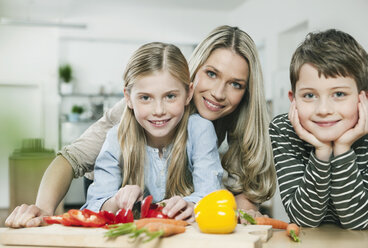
[76, 111]
[66, 76]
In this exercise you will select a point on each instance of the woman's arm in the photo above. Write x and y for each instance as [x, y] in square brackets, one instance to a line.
[54, 185]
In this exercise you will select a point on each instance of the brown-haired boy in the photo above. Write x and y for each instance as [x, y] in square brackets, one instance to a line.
[321, 147]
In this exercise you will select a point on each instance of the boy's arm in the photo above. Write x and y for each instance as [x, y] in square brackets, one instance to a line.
[304, 188]
[349, 188]
[82, 153]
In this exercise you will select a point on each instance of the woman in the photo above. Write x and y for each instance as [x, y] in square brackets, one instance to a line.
[229, 91]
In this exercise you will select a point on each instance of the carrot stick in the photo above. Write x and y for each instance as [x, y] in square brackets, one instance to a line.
[292, 231]
[278, 224]
[168, 229]
[143, 222]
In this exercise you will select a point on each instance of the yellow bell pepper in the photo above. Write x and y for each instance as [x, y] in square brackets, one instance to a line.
[216, 212]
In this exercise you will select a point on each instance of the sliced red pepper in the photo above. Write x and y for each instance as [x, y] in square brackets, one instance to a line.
[87, 218]
[124, 216]
[146, 203]
[53, 219]
[67, 220]
[155, 211]
[109, 217]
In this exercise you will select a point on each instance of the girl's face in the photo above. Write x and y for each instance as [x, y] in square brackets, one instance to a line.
[158, 102]
[220, 84]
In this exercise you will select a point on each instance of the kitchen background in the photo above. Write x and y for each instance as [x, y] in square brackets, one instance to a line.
[96, 37]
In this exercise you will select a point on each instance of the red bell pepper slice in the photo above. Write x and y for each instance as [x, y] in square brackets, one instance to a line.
[109, 217]
[67, 220]
[155, 211]
[146, 203]
[124, 216]
[151, 210]
[56, 219]
[87, 218]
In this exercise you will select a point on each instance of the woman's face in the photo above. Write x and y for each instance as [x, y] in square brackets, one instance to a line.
[220, 84]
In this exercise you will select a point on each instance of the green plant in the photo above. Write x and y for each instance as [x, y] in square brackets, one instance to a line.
[77, 109]
[65, 73]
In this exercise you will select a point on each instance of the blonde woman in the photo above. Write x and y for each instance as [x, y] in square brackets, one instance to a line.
[229, 91]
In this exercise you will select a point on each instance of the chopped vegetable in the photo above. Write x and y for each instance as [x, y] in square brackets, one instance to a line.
[292, 231]
[151, 210]
[124, 216]
[216, 212]
[142, 222]
[151, 228]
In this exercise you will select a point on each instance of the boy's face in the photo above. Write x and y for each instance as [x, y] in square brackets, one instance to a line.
[327, 107]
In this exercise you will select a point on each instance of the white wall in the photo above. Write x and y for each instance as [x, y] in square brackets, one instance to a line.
[27, 92]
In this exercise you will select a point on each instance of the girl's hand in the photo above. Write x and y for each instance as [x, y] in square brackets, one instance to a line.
[127, 196]
[178, 207]
[26, 216]
[344, 142]
[323, 150]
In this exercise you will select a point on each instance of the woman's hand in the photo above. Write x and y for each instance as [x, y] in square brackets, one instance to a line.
[177, 207]
[26, 216]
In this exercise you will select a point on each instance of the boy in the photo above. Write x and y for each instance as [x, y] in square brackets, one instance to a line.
[321, 147]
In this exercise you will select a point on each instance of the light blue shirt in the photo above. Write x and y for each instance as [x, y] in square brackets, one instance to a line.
[203, 162]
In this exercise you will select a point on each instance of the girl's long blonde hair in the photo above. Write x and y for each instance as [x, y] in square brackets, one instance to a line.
[148, 59]
[249, 159]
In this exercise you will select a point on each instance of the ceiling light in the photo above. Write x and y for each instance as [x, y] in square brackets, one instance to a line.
[39, 23]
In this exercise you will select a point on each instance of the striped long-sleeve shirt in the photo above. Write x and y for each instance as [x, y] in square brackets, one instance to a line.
[315, 191]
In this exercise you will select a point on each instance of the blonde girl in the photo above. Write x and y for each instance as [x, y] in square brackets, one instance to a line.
[158, 148]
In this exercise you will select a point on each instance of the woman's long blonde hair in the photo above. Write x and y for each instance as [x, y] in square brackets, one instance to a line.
[249, 158]
[148, 59]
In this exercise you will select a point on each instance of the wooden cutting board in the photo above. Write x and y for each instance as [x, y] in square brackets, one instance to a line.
[62, 236]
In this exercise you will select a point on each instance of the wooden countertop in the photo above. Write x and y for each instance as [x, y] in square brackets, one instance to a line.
[327, 235]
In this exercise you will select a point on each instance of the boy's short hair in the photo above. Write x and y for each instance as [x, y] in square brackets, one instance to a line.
[333, 53]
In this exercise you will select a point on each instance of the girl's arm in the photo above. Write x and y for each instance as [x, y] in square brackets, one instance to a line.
[349, 187]
[107, 173]
[304, 186]
[203, 156]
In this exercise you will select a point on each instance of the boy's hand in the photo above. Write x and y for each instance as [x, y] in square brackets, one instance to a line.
[323, 150]
[344, 142]
[178, 207]
[127, 196]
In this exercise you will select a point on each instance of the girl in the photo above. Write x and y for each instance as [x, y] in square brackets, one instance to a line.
[229, 91]
[148, 152]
